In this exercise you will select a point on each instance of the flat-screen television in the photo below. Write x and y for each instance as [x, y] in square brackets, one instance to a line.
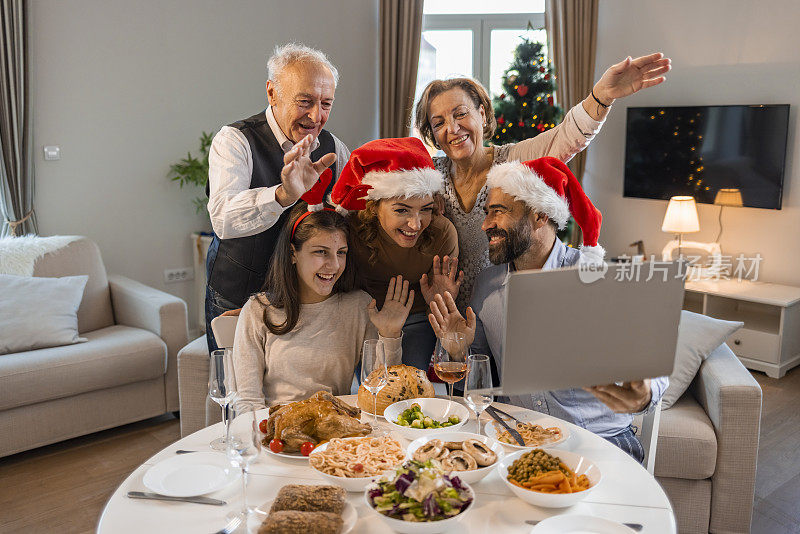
[701, 150]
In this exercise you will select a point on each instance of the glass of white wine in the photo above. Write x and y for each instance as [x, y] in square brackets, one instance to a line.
[450, 359]
[479, 377]
[374, 374]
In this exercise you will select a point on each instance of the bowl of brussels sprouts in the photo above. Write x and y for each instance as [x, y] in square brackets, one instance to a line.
[414, 418]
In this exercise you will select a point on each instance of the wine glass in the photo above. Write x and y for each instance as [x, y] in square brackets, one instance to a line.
[374, 375]
[243, 446]
[479, 376]
[450, 359]
[221, 388]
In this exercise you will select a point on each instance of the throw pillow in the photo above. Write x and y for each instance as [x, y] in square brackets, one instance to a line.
[698, 336]
[39, 312]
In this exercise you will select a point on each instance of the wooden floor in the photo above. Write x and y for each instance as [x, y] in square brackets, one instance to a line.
[64, 487]
[777, 500]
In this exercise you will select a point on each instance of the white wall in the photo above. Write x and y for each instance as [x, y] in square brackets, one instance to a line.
[125, 88]
[723, 52]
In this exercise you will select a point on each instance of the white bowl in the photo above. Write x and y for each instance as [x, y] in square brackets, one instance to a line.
[574, 461]
[421, 527]
[437, 409]
[490, 429]
[354, 484]
[470, 477]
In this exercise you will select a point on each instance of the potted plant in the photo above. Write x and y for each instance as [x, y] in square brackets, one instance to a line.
[193, 171]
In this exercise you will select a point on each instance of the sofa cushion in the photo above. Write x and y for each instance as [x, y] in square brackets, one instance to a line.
[39, 312]
[698, 336]
[687, 443]
[111, 357]
[82, 257]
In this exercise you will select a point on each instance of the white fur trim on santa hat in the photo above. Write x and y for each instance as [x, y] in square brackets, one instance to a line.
[593, 254]
[521, 182]
[339, 209]
[409, 183]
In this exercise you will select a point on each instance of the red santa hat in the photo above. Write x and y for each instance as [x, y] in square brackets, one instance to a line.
[549, 187]
[385, 168]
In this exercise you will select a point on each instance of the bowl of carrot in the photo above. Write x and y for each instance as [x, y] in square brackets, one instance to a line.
[552, 478]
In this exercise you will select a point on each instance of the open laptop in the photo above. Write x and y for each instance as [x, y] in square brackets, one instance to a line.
[569, 328]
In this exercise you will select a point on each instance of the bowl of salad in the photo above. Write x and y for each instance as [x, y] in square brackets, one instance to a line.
[419, 498]
[415, 418]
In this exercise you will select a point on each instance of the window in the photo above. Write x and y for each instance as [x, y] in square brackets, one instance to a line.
[475, 38]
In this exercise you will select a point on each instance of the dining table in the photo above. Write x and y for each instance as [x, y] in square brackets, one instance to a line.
[627, 493]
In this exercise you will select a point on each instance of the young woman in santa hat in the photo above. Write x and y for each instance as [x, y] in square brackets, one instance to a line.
[398, 231]
[304, 331]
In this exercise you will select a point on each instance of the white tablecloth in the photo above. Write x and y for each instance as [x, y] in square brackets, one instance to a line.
[627, 493]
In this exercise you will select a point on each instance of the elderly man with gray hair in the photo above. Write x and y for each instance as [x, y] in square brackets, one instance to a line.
[260, 166]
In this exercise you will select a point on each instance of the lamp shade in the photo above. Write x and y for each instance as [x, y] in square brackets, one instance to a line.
[681, 216]
[728, 197]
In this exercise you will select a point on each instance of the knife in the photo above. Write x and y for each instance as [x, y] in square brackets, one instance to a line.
[634, 526]
[157, 497]
[514, 434]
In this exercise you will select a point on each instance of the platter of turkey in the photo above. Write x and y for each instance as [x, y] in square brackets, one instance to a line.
[470, 456]
[293, 430]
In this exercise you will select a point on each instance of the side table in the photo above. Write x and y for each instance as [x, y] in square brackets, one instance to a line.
[770, 338]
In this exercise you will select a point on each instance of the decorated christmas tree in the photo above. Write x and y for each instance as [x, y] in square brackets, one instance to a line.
[526, 107]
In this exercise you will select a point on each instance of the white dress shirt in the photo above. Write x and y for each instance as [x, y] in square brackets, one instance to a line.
[235, 209]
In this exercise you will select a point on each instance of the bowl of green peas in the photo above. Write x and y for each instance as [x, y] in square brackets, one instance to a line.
[414, 418]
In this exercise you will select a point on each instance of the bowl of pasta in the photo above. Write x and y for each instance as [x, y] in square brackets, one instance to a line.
[536, 431]
[550, 478]
[353, 463]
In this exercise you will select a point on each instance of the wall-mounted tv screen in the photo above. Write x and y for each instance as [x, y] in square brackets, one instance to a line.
[713, 153]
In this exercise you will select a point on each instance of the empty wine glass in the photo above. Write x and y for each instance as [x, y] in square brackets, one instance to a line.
[221, 388]
[450, 359]
[479, 377]
[243, 446]
[374, 375]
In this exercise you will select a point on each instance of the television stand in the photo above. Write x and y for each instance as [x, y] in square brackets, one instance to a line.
[769, 341]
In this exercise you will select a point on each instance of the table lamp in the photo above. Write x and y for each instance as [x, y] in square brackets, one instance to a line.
[681, 218]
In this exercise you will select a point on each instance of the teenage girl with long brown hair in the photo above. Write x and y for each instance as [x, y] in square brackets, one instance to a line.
[304, 331]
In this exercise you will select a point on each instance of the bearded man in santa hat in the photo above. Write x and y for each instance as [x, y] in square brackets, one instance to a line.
[528, 202]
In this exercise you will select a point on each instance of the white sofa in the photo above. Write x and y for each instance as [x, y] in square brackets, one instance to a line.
[125, 372]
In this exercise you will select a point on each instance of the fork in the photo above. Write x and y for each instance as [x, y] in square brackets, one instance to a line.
[232, 525]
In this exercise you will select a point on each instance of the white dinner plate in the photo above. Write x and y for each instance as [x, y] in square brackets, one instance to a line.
[531, 417]
[188, 475]
[290, 455]
[579, 524]
[254, 521]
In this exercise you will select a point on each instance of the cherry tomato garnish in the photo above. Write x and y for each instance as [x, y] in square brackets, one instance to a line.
[262, 426]
[276, 445]
[306, 448]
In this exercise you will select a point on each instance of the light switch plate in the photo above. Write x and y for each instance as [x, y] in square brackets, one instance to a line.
[52, 153]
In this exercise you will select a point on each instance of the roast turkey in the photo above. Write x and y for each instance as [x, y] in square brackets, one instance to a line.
[317, 418]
